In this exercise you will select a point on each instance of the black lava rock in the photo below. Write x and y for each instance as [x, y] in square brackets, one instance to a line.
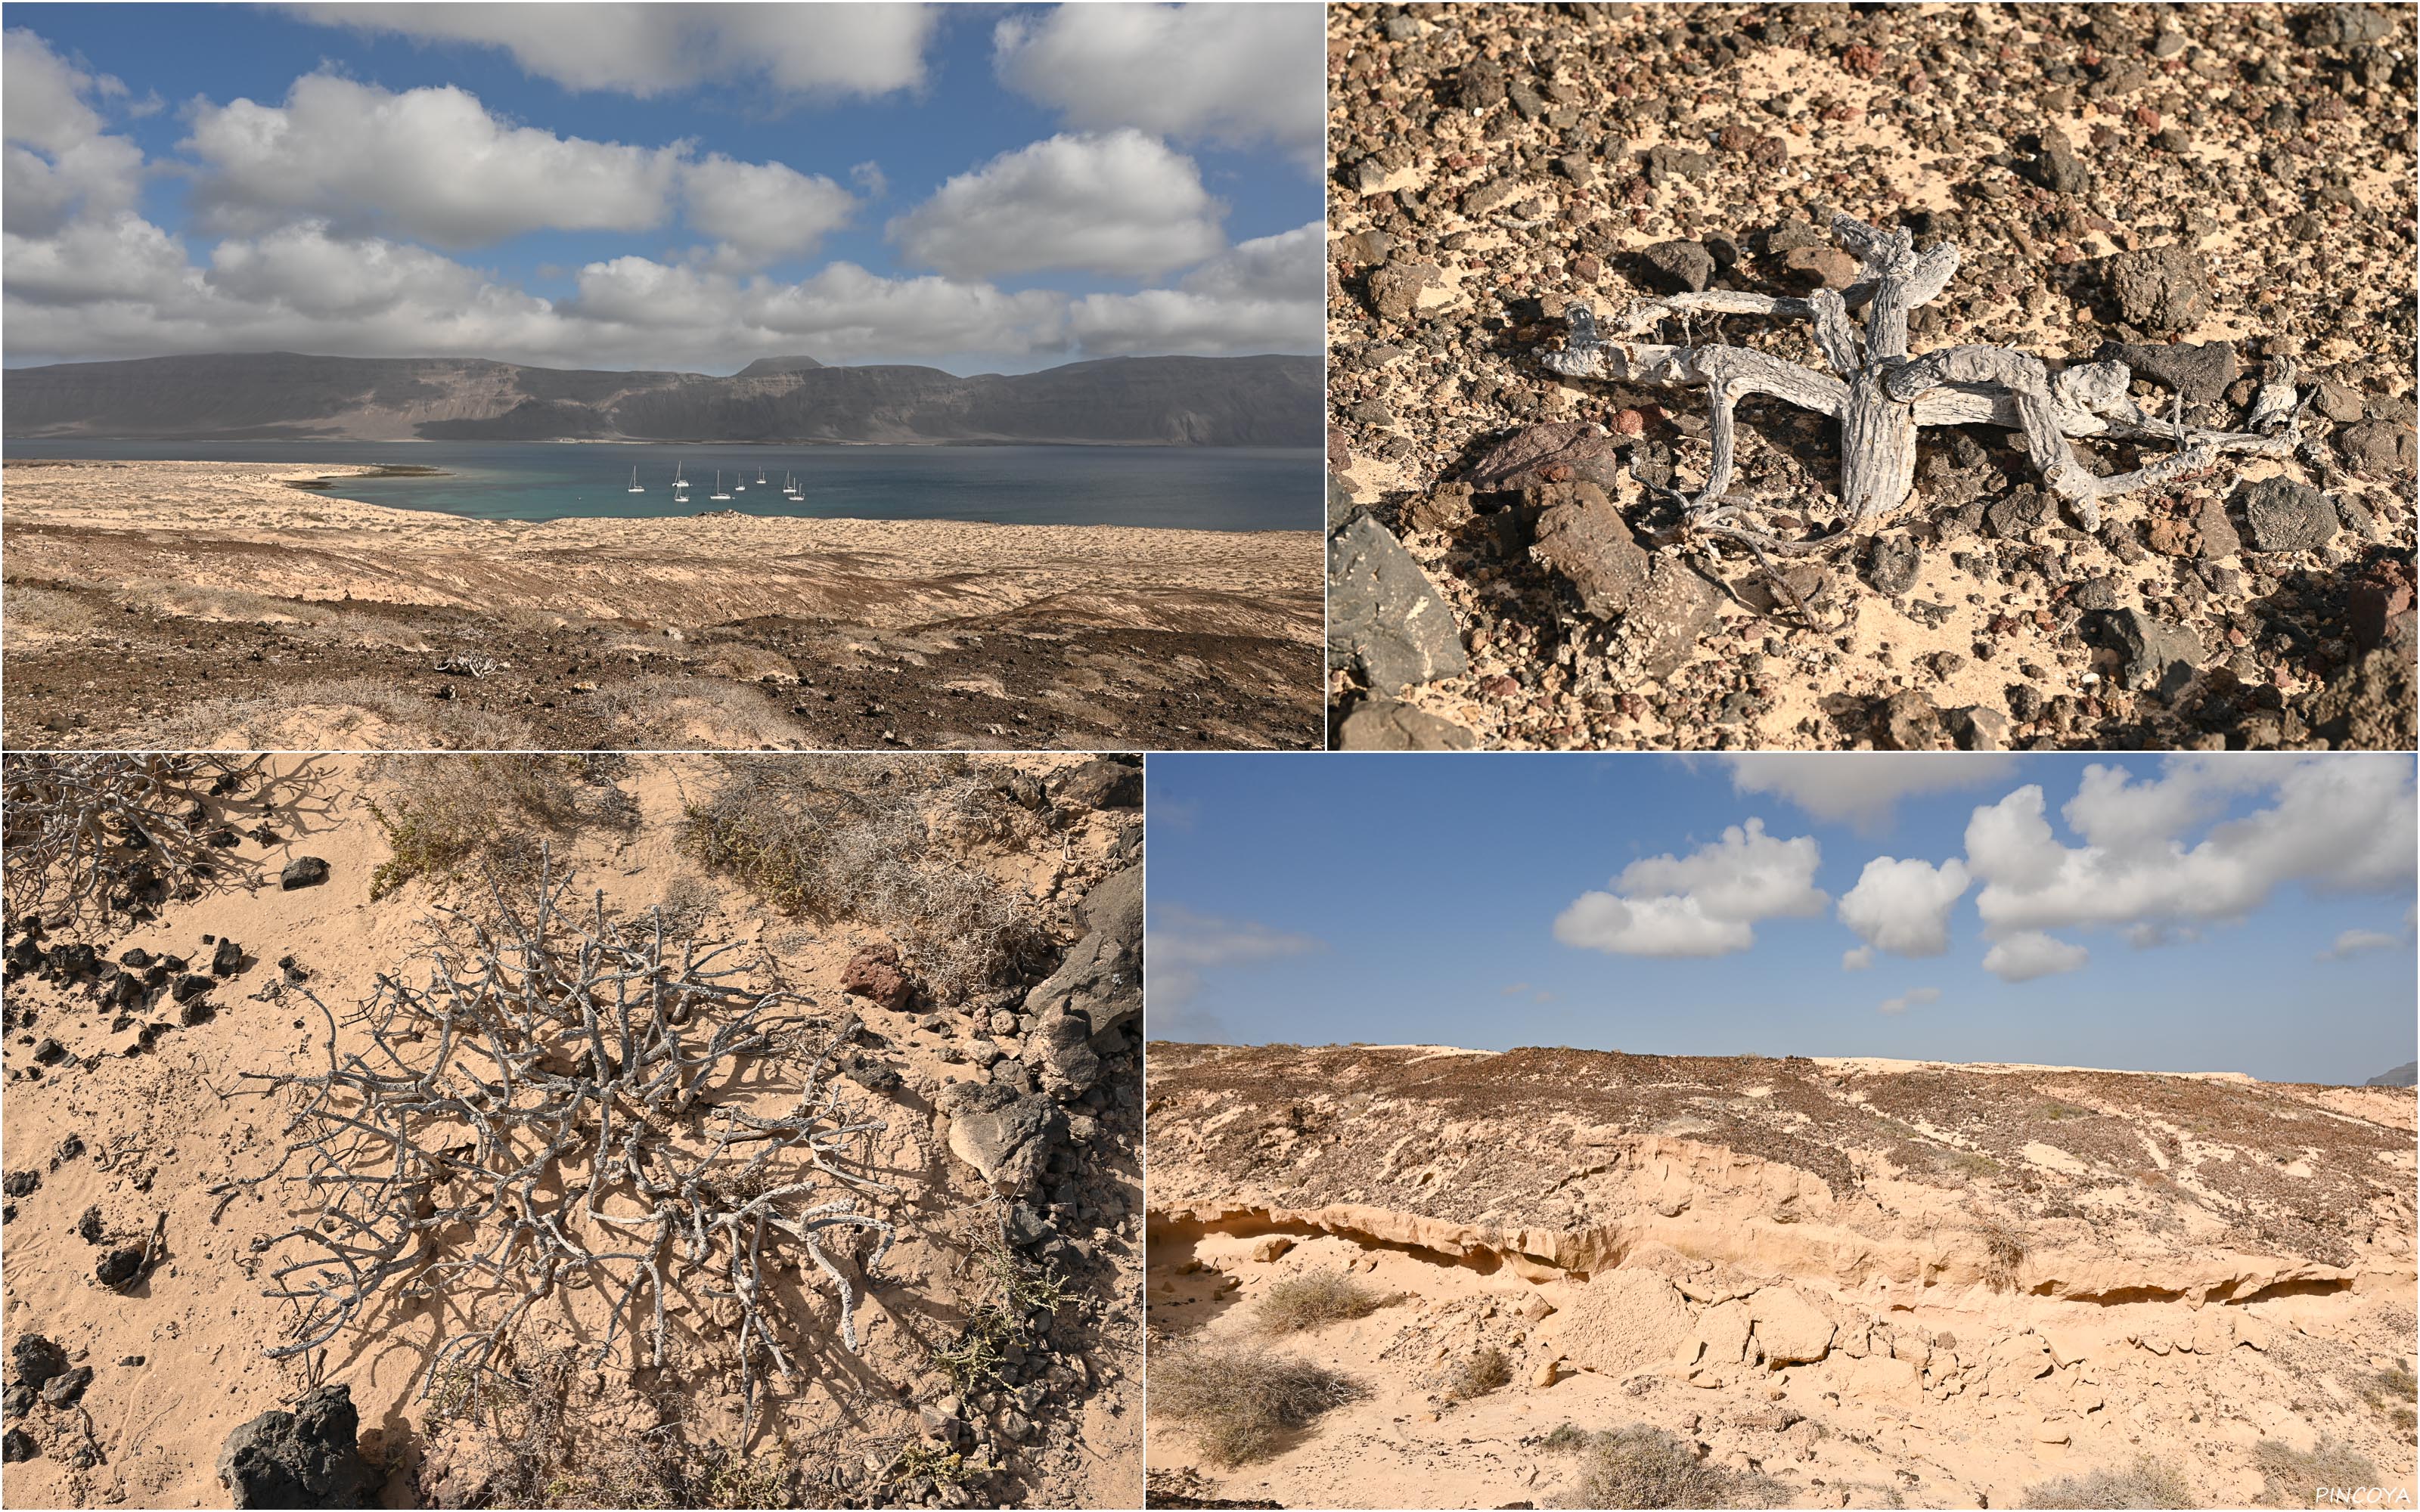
[307, 1457]
[303, 871]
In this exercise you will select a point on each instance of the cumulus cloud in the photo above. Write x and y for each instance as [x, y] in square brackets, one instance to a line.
[1902, 906]
[2031, 953]
[763, 211]
[431, 163]
[811, 52]
[1183, 945]
[1225, 73]
[1266, 294]
[58, 161]
[2355, 941]
[1860, 958]
[1117, 203]
[2339, 823]
[1861, 788]
[1913, 997]
[1704, 904]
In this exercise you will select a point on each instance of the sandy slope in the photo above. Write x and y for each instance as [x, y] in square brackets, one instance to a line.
[1877, 1285]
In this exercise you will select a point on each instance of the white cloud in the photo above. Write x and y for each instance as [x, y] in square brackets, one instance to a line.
[1701, 904]
[820, 51]
[2339, 822]
[1904, 906]
[1650, 926]
[1913, 997]
[58, 161]
[1119, 203]
[1228, 73]
[868, 175]
[1861, 787]
[432, 163]
[1180, 946]
[2031, 953]
[2354, 941]
[1266, 294]
[1860, 958]
[763, 211]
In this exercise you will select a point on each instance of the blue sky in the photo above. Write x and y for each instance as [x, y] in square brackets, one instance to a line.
[2228, 914]
[978, 187]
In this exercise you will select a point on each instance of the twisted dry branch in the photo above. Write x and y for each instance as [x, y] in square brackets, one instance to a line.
[90, 834]
[549, 1110]
[1882, 396]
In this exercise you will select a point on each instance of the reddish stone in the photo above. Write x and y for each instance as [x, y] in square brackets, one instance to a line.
[874, 973]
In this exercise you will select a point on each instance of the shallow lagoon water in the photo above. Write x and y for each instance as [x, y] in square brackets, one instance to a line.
[1215, 489]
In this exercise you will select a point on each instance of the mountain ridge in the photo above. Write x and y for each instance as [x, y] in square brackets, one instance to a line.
[1166, 401]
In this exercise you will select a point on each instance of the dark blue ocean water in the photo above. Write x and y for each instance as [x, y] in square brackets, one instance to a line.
[1213, 489]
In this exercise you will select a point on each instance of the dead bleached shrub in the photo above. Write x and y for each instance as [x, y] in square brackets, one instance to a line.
[875, 839]
[91, 835]
[1240, 1404]
[1313, 1299]
[2147, 1482]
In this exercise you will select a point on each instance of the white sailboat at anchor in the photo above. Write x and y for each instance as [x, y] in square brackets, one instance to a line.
[718, 485]
[634, 482]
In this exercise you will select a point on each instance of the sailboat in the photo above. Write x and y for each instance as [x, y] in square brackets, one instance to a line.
[634, 482]
[718, 485]
[680, 487]
[790, 485]
[742, 484]
[760, 477]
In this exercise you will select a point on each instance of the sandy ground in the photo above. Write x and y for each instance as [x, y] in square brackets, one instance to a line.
[142, 1134]
[1507, 157]
[1870, 1284]
[246, 604]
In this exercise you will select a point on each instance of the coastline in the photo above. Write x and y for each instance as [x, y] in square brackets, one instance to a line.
[164, 604]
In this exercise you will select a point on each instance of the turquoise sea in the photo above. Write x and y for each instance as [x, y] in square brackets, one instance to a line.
[1215, 489]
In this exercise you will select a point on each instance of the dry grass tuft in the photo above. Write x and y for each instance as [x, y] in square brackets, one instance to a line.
[2292, 1477]
[866, 838]
[1482, 1373]
[2004, 1249]
[1638, 1466]
[2392, 1390]
[1239, 1405]
[1315, 1300]
[2147, 1482]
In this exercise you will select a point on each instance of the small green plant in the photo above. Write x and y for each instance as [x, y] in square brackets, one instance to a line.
[443, 811]
[942, 1465]
[1640, 1466]
[1568, 1438]
[1017, 1289]
[1482, 1373]
[2147, 1482]
[1240, 1404]
[1315, 1300]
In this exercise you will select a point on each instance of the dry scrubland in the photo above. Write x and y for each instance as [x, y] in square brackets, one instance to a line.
[1411, 1276]
[844, 1214]
[238, 605]
[2202, 190]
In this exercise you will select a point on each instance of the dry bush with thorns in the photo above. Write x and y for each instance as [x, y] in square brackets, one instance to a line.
[91, 835]
[559, 1105]
[874, 839]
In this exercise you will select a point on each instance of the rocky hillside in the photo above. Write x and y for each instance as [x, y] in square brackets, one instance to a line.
[1156, 401]
[1863, 1279]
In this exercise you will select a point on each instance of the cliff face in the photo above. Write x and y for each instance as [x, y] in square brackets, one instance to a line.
[1969, 1279]
[1174, 401]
